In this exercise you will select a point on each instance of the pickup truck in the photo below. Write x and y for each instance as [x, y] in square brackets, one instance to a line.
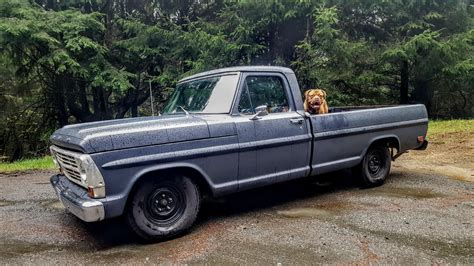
[221, 132]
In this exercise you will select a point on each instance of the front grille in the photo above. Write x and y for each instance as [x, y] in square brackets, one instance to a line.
[69, 162]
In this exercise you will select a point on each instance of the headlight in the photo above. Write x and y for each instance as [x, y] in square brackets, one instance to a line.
[53, 155]
[84, 165]
[91, 177]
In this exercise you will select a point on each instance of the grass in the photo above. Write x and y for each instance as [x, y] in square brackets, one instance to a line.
[436, 127]
[44, 163]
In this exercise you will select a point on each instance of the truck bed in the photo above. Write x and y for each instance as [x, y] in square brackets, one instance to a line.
[341, 137]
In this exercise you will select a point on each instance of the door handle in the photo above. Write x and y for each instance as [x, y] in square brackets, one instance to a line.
[296, 121]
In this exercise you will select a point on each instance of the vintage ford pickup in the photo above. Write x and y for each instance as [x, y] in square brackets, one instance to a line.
[221, 132]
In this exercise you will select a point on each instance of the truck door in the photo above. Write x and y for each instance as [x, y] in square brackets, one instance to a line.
[275, 146]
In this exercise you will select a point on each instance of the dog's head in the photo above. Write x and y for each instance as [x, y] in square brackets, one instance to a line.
[314, 99]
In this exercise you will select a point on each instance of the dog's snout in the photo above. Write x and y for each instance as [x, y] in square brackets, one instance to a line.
[316, 100]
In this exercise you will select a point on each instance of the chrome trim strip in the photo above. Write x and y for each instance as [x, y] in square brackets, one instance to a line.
[365, 129]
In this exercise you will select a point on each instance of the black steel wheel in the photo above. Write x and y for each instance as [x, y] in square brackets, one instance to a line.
[164, 208]
[375, 166]
[164, 205]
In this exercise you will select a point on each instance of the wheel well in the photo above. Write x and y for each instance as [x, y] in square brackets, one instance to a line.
[391, 142]
[195, 175]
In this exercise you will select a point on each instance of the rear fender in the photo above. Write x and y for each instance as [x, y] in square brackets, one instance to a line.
[390, 138]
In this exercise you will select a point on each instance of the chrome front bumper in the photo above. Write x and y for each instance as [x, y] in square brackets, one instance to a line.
[76, 200]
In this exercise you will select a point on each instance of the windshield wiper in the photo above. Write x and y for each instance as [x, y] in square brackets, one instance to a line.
[184, 110]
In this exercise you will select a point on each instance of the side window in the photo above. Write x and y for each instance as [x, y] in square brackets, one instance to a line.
[263, 90]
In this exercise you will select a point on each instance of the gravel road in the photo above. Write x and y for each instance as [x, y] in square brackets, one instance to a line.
[418, 216]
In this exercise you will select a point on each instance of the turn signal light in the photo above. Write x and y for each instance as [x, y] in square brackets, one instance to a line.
[90, 192]
[420, 139]
[96, 192]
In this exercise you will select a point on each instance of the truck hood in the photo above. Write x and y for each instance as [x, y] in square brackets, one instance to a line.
[138, 132]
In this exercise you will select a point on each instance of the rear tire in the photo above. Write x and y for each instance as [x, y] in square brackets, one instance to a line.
[164, 208]
[375, 166]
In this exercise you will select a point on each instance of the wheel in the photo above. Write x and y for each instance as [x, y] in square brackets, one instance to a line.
[164, 208]
[375, 166]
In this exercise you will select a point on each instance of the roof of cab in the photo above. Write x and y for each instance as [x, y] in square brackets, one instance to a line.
[239, 69]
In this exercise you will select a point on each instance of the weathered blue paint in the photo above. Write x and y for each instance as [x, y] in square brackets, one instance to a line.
[233, 153]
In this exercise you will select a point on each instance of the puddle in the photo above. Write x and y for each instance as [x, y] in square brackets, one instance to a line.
[463, 178]
[18, 248]
[406, 192]
[53, 204]
[122, 254]
[257, 253]
[304, 213]
[456, 173]
[316, 211]
[450, 171]
[4, 203]
[469, 204]
[461, 248]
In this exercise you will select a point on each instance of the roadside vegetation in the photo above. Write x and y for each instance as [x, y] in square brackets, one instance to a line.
[43, 163]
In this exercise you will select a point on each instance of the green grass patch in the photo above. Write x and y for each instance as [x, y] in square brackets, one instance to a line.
[436, 127]
[44, 163]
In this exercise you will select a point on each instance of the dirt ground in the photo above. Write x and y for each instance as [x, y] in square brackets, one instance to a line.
[423, 214]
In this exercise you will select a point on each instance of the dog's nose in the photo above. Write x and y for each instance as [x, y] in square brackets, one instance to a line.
[317, 100]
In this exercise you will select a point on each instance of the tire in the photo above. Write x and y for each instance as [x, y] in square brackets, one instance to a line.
[162, 209]
[375, 166]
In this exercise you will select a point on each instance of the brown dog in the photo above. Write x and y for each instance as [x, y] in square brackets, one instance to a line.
[315, 102]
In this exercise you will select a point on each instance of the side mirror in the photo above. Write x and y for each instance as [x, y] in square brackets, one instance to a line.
[259, 112]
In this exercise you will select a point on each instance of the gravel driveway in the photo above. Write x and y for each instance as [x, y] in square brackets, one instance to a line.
[416, 217]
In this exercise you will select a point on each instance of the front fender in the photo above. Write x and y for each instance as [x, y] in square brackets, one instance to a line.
[115, 205]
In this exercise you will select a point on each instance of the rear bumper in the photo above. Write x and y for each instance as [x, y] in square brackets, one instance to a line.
[423, 146]
[76, 200]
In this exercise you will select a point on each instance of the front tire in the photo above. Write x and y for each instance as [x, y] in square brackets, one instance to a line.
[375, 166]
[164, 208]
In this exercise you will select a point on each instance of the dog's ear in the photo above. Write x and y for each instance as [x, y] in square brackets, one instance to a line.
[306, 94]
[324, 93]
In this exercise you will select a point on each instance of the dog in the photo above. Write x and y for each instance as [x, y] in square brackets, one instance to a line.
[315, 102]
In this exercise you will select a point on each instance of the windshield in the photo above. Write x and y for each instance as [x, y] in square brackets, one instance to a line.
[210, 95]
